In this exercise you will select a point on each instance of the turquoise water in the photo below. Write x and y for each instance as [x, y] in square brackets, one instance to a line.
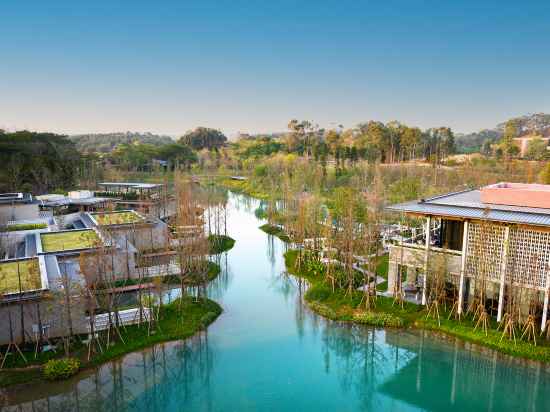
[268, 352]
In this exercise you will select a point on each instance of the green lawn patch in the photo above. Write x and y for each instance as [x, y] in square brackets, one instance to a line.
[220, 243]
[23, 226]
[178, 320]
[336, 305]
[26, 269]
[124, 217]
[69, 240]
[275, 231]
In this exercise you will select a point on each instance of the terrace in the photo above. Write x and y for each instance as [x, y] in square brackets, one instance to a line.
[126, 217]
[21, 275]
[69, 240]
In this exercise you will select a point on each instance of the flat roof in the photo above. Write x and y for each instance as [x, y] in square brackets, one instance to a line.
[131, 185]
[68, 240]
[26, 269]
[468, 205]
[123, 217]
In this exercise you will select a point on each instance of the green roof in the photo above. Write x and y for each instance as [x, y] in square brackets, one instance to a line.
[69, 240]
[117, 218]
[10, 272]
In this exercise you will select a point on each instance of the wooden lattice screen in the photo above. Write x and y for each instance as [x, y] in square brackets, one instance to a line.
[485, 250]
[528, 259]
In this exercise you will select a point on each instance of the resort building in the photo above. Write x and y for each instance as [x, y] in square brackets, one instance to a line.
[17, 206]
[497, 236]
[145, 197]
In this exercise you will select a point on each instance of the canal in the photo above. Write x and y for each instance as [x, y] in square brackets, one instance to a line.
[268, 352]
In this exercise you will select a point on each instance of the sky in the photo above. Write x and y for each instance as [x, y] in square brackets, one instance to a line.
[170, 66]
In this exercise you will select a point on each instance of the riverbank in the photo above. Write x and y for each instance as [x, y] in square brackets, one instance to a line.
[178, 320]
[337, 306]
[220, 243]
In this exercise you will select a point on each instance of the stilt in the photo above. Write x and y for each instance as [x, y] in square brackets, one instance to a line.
[503, 273]
[462, 269]
[426, 253]
[545, 308]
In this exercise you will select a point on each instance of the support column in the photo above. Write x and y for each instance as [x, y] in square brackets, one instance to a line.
[503, 273]
[463, 267]
[426, 253]
[545, 307]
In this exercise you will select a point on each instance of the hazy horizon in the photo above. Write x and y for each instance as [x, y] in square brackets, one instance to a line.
[239, 67]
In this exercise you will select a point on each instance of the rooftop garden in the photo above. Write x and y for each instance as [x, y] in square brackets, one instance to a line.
[27, 270]
[69, 240]
[117, 218]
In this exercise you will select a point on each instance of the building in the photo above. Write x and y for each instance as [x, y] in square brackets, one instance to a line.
[17, 206]
[500, 233]
[522, 143]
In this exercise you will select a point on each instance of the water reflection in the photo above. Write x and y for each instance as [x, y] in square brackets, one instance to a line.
[269, 352]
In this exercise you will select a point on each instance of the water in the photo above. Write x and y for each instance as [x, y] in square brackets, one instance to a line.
[267, 352]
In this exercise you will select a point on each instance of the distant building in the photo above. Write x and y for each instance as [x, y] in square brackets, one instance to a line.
[523, 143]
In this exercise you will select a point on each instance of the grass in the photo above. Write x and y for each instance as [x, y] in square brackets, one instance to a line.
[275, 231]
[23, 226]
[27, 269]
[117, 218]
[178, 320]
[69, 240]
[220, 243]
[244, 186]
[336, 305]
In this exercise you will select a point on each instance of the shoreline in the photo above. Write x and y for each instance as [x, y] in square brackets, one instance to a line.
[333, 306]
[199, 315]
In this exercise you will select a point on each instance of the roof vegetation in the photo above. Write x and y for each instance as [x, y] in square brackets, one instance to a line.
[27, 270]
[117, 218]
[69, 240]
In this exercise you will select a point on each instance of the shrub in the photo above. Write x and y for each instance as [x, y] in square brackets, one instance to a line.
[323, 310]
[58, 369]
[318, 293]
[378, 319]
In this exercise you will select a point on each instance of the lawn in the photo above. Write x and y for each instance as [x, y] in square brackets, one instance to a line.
[27, 269]
[220, 243]
[69, 240]
[275, 231]
[117, 218]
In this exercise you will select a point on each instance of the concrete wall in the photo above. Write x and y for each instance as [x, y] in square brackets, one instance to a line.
[412, 256]
[18, 211]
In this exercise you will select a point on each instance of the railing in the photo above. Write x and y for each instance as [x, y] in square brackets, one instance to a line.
[125, 317]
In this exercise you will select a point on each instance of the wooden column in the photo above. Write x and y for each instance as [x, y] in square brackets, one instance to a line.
[426, 253]
[545, 307]
[503, 273]
[463, 267]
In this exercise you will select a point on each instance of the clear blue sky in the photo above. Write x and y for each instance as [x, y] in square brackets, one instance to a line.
[169, 66]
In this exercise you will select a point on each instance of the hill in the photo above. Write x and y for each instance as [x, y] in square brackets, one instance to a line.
[537, 123]
[106, 142]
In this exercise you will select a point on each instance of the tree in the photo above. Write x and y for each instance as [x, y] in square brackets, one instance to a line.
[203, 138]
[536, 149]
[507, 141]
[544, 176]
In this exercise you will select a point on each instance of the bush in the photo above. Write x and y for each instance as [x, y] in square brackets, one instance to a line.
[378, 319]
[322, 310]
[58, 369]
[318, 293]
